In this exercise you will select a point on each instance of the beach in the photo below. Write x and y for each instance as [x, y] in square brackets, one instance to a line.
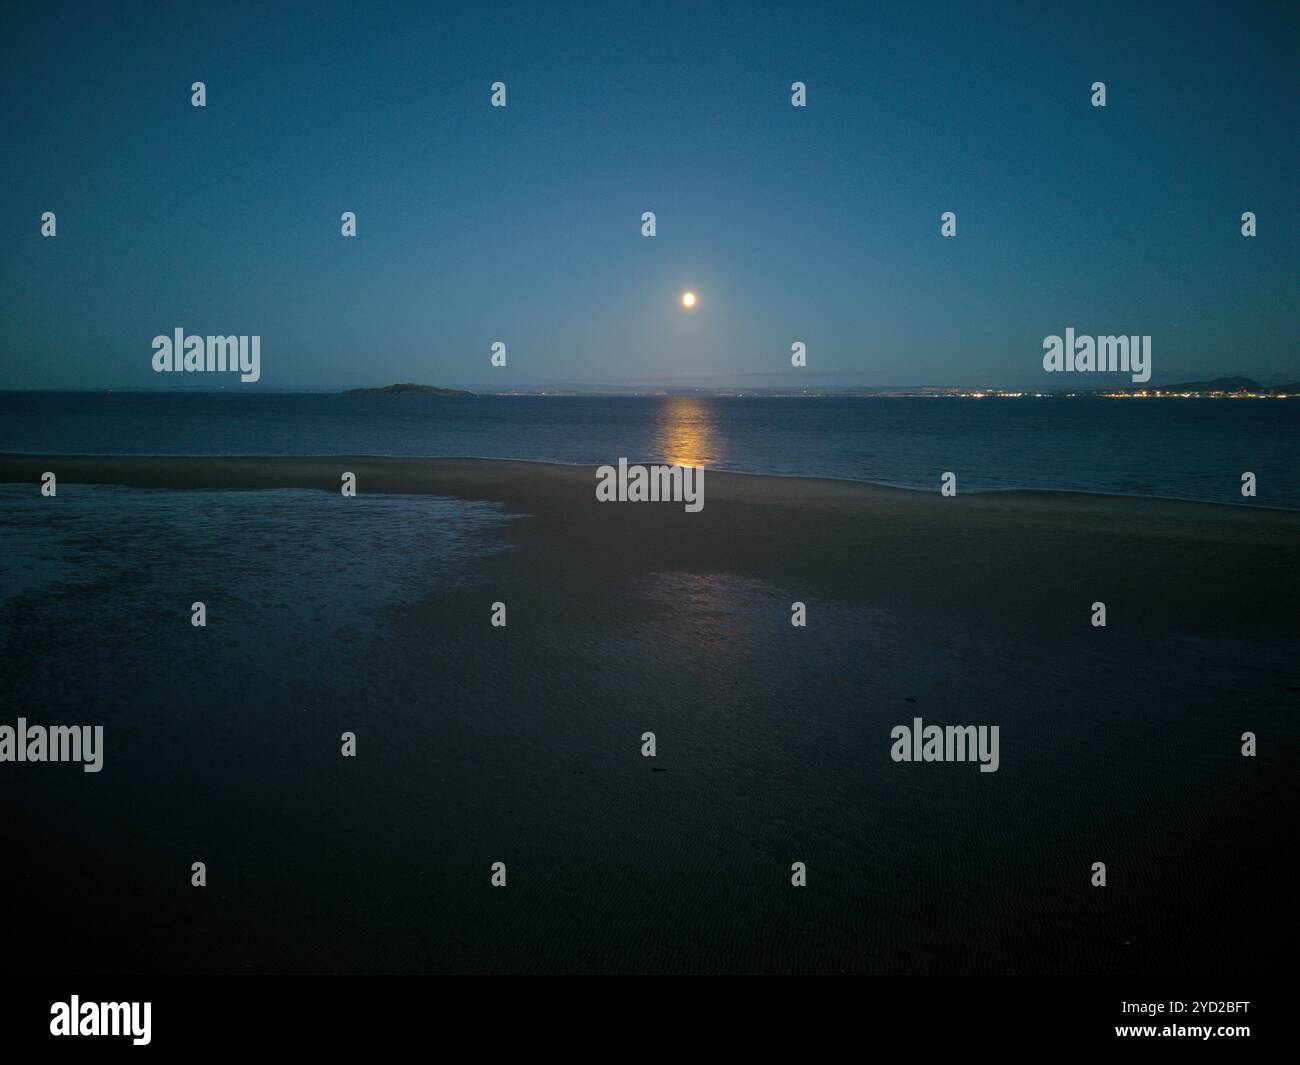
[1120, 744]
[1030, 561]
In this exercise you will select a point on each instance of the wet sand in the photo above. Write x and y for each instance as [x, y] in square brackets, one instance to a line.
[1030, 562]
[1119, 744]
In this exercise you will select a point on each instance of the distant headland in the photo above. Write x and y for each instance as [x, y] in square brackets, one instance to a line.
[406, 390]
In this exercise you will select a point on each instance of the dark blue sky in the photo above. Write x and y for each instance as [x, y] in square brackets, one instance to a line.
[523, 224]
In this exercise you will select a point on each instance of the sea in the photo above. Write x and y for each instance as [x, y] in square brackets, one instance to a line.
[1170, 448]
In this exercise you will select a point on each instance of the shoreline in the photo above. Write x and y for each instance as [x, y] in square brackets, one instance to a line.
[23, 462]
[1030, 563]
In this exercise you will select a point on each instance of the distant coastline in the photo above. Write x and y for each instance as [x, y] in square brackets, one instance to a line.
[1216, 388]
[405, 390]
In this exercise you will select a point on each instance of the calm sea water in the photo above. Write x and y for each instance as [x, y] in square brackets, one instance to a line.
[1181, 449]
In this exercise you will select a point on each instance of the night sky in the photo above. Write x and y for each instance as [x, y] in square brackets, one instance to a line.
[523, 224]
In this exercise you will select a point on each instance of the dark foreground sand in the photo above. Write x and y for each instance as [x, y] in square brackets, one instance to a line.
[1119, 744]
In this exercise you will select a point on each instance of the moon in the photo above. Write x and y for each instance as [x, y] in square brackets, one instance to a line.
[688, 299]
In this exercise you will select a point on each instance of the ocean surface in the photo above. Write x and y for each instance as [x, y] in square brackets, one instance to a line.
[1170, 448]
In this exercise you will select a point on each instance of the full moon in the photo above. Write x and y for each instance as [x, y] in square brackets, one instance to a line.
[688, 299]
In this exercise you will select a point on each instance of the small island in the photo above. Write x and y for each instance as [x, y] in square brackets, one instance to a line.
[406, 390]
